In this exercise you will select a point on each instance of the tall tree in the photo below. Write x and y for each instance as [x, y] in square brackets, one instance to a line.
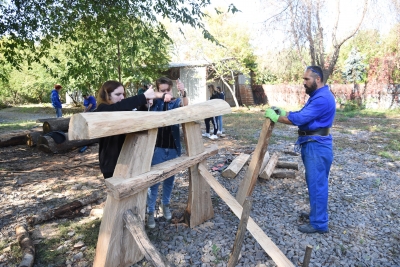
[29, 23]
[306, 29]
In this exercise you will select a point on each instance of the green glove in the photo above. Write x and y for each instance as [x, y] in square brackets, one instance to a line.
[271, 114]
[279, 111]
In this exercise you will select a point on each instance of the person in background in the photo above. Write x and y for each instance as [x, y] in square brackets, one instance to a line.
[168, 146]
[111, 97]
[89, 102]
[143, 89]
[214, 95]
[56, 101]
[219, 118]
[314, 121]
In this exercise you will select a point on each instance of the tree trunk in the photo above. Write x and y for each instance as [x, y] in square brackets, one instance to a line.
[27, 246]
[16, 138]
[60, 124]
[47, 144]
[33, 138]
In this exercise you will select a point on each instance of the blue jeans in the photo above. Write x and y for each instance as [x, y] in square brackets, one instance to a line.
[219, 120]
[58, 112]
[161, 155]
[317, 159]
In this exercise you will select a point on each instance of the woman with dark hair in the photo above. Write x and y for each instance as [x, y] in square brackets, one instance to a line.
[214, 95]
[111, 97]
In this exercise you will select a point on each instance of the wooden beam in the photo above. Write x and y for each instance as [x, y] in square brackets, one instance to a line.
[236, 165]
[116, 247]
[247, 185]
[199, 207]
[307, 256]
[265, 161]
[92, 125]
[265, 242]
[134, 223]
[267, 172]
[60, 124]
[120, 187]
[237, 246]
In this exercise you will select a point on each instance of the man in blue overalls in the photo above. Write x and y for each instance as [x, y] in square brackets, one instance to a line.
[314, 121]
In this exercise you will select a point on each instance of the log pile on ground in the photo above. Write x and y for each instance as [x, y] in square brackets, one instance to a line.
[37, 137]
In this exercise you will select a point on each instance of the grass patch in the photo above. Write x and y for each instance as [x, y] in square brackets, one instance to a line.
[17, 125]
[47, 253]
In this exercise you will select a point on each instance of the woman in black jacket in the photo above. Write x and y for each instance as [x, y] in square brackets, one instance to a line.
[111, 97]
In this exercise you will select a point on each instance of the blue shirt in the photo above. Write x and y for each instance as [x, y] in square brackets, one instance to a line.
[90, 100]
[158, 105]
[55, 99]
[318, 112]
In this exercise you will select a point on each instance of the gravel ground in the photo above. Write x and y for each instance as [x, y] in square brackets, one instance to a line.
[363, 206]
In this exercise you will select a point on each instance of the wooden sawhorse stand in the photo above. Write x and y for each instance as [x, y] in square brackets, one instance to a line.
[127, 189]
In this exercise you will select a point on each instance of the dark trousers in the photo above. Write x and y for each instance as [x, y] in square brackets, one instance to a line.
[214, 122]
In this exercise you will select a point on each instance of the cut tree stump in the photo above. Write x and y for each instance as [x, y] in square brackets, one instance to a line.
[27, 246]
[281, 173]
[16, 138]
[47, 144]
[59, 124]
[236, 165]
[266, 173]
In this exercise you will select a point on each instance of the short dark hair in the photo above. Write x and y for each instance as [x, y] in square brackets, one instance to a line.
[164, 80]
[57, 86]
[317, 70]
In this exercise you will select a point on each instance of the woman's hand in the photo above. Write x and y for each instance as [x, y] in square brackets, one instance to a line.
[181, 87]
[150, 94]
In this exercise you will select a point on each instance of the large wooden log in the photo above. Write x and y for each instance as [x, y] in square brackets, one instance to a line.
[265, 242]
[15, 138]
[27, 246]
[236, 165]
[121, 187]
[92, 125]
[47, 144]
[247, 185]
[59, 124]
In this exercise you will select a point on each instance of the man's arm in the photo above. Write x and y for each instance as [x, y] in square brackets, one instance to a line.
[88, 107]
[285, 120]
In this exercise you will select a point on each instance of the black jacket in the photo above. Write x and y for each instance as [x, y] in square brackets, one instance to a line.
[110, 147]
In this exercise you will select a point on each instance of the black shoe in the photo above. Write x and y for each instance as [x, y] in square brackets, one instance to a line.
[309, 229]
[305, 216]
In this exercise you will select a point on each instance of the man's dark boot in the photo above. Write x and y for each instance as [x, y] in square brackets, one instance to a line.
[309, 229]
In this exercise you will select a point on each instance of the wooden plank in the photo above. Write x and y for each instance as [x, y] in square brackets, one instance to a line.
[265, 161]
[92, 125]
[115, 247]
[199, 207]
[267, 172]
[236, 165]
[134, 223]
[247, 185]
[121, 187]
[281, 173]
[237, 245]
[265, 242]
